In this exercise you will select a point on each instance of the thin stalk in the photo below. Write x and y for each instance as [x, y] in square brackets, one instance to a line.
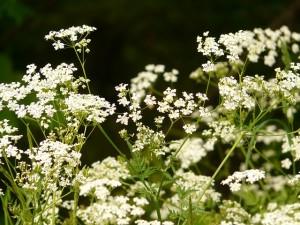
[110, 140]
[7, 218]
[208, 83]
[157, 200]
[221, 165]
[158, 211]
[76, 197]
[53, 211]
[83, 69]
[180, 147]
[169, 129]
[250, 148]
[190, 221]
[171, 126]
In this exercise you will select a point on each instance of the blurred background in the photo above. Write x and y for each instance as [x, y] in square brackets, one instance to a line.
[130, 35]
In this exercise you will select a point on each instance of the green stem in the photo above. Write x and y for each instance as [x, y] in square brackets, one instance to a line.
[157, 199]
[158, 211]
[53, 210]
[76, 197]
[250, 148]
[110, 140]
[221, 164]
[208, 83]
[190, 221]
[83, 69]
[7, 217]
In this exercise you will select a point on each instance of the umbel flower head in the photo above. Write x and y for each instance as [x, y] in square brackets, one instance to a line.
[250, 176]
[71, 37]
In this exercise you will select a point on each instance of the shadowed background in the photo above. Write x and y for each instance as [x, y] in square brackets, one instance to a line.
[130, 35]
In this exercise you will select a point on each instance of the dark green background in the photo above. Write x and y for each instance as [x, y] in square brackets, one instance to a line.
[130, 35]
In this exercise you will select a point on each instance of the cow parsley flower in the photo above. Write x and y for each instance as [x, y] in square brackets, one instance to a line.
[250, 176]
[100, 181]
[148, 139]
[221, 129]
[92, 107]
[208, 67]
[189, 128]
[286, 163]
[279, 214]
[192, 151]
[235, 95]
[153, 222]
[195, 184]
[8, 141]
[142, 82]
[71, 37]
[54, 160]
[233, 214]
[292, 145]
[171, 76]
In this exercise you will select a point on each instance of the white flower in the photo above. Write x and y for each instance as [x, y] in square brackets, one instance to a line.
[171, 76]
[208, 67]
[209, 46]
[250, 176]
[235, 95]
[153, 222]
[58, 45]
[150, 67]
[150, 100]
[293, 146]
[189, 181]
[142, 82]
[100, 182]
[280, 214]
[169, 95]
[70, 32]
[159, 68]
[270, 59]
[123, 118]
[73, 37]
[295, 48]
[159, 120]
[94, 108]
[191, 152]
[286, 163]
[189, 128]
[148, 139]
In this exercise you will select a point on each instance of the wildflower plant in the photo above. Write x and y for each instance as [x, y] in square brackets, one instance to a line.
[233, 161]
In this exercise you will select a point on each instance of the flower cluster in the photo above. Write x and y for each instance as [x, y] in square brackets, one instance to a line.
[254, 44]
[8, 140]
[195, 184]
[154, 222]
[53, 161]
[250, 176]
[233, 214]
[192, 150]
[91, 107]
[145, 79]
[222, 129]
[277, 215]
[71, 37]
[175, 107]
[149, 139]
[100, 181]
